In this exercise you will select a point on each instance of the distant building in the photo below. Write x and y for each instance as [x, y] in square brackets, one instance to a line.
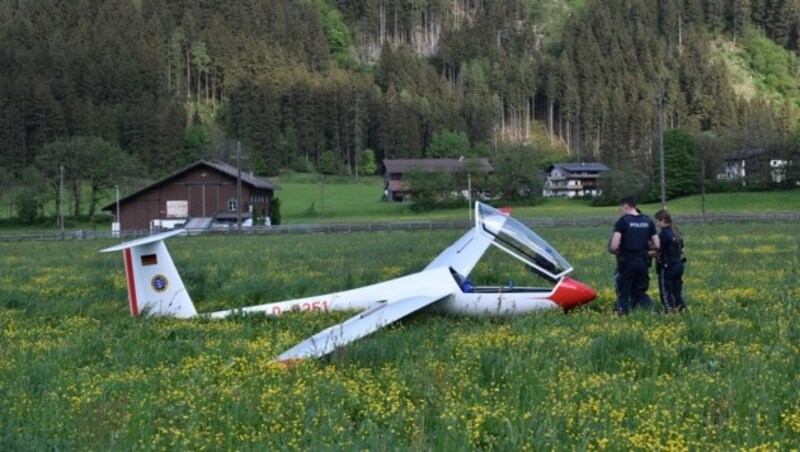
[200, 194]
[397, 189]
[757, 164]
[569, 180]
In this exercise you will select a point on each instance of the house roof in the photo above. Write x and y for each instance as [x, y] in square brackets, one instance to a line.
[746, 154]
[247, 179]
[580, 167]
[403, 166]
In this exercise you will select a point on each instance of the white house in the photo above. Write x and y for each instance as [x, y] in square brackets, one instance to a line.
[569, 180]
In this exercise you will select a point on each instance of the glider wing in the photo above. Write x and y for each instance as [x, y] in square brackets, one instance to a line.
[359, 326]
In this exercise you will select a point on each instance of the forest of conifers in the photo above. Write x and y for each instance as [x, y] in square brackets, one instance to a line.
[167, 82]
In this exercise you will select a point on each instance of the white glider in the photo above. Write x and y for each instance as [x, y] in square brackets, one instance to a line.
[155, 287]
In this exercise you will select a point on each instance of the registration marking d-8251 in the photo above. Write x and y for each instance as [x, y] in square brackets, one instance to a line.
[316, 305]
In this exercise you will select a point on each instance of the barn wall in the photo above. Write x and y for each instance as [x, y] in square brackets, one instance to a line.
[206, 190]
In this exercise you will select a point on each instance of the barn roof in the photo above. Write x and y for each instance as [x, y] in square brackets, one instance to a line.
[402, 166]
[222, 167]
[232, 171]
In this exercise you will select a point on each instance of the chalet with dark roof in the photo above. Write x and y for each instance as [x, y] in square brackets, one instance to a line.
[759, 165]
[569, 180]
[397, 189]
[202, 193]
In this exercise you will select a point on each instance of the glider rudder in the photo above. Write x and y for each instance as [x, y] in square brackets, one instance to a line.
[154, 285]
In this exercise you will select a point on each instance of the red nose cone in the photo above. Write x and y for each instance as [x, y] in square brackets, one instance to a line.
[571, 293]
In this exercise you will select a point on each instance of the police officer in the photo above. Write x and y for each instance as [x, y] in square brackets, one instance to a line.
[634, 235]
[669, 265]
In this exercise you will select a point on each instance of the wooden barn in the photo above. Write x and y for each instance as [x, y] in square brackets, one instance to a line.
[197, 196]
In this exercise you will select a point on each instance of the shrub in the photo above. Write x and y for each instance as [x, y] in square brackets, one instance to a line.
[367, 166]
[327, 163]
[275, 212]
[27, 206]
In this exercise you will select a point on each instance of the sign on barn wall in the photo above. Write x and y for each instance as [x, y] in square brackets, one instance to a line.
[177, 209]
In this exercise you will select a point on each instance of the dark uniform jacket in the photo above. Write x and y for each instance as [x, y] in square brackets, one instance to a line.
[671, 247]
[636, 231]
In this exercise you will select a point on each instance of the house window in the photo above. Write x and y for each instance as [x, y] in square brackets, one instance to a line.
[232, 205]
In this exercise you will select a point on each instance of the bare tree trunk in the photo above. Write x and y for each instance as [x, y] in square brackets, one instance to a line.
[569, 138]
[382, 13]
[550, 125]
[169, 69]
[578, 132]
[357, 134]
[597, 143]
[213, 86]
[511, 122]
[503, 120]
[528, 119]
[92, 202]
[560, 126]
[57, 193]
[188, 76]
[76, 199]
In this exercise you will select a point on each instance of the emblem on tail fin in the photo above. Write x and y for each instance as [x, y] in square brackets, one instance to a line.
[159, 283]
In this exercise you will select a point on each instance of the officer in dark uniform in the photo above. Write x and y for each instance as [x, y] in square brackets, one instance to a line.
[634, 236]
[669, 265]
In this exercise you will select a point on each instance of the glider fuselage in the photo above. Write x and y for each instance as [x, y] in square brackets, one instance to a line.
[495, 301]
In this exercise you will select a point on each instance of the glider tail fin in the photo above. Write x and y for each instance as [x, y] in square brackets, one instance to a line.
[154, 285]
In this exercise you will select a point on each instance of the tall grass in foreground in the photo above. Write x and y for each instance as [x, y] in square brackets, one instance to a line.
[76, 372]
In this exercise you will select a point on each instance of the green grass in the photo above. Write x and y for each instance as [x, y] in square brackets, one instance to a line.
[76, 372]
[772, 201]
[348, 202]
[334, 200]
[341, 200]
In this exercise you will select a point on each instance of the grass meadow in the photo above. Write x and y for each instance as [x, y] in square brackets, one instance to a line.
[302, 201]
[76, 372]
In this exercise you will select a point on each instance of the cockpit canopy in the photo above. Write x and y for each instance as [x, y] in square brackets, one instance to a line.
[519, 241]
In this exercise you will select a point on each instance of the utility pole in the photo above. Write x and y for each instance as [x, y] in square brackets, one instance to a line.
[322, 195]
[357, 138]
[703, 188]
[469, 188]
[119, 217]
[661, 145]
[239, 185]
[469, 194]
